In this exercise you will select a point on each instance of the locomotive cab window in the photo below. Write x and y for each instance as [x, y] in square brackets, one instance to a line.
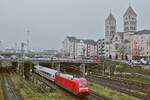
[82, 83]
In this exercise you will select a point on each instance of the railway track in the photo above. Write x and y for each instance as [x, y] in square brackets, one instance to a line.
[8, 89]
[116, 87]
[142, 87]
[45, 81]
[95, 96]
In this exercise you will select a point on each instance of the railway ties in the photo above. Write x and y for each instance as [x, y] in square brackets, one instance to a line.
[95, 96]
[8, 89]
[117, 87]
[142, 87]
[45, 82]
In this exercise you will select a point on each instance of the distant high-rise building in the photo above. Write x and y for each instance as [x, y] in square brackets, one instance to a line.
[130, 20]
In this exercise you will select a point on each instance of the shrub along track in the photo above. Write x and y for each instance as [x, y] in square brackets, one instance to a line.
[123, 86]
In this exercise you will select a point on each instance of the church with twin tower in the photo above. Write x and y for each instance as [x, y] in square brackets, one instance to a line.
[115, 40]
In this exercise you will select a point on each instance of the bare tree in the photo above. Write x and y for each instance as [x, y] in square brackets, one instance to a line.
[122, 50]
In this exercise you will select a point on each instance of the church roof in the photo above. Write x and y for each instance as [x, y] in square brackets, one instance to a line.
[120, 34]
[111, 17]
[142, 32]
[130, 11]
[86, 41]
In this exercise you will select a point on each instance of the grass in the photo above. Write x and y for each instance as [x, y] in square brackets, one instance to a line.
[1, 91]
[114, 95]
[138, 79]
[30, 92]
[124, 67]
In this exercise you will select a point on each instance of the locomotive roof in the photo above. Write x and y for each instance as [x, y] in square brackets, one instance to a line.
[70, 77]
[48, 70]
[80, 79]
[66, 76]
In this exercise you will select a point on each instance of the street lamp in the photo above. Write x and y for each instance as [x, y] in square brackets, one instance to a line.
[74, 49]
[28, 42]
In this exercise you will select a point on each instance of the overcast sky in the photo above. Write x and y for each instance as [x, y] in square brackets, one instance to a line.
[50, 21]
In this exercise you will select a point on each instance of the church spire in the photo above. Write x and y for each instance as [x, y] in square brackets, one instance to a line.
[130, 11]
[110, 25]
[130, 20]
[110, 17]
[129, 3]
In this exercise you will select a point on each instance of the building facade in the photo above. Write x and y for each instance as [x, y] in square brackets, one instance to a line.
[120, 46]
[78, 48]
[140, 44]
[70, 47]
[101, 48]
[116, 43]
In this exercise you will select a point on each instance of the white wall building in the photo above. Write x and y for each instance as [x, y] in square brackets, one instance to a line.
[101, 48]
[140, 45]
[76, 48]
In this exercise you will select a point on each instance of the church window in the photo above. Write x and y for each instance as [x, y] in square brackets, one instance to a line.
[116, 46]
[116, 39]
[129, 17]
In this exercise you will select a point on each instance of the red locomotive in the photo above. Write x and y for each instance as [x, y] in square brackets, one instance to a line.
[77, 86]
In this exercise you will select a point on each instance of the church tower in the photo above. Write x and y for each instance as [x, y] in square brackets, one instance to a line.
[110, 30]
[110, 26]
[130, 20]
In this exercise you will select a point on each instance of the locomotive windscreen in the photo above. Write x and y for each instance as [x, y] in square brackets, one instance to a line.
[82, 83]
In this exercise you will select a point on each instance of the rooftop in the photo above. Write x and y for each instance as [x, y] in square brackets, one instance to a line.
[111, 17]
[142, 32]
[86, 41]
[130, 11]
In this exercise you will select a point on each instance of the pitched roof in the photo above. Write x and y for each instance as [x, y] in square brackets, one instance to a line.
[72, 38]
[86, 41]
[142, 32]
[120, 34]
[111, 17]
[130, 11]
[89, 42]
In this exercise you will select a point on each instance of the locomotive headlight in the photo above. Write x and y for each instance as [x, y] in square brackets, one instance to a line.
[83, 89]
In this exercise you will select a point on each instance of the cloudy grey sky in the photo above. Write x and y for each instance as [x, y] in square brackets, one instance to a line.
[50, 21]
